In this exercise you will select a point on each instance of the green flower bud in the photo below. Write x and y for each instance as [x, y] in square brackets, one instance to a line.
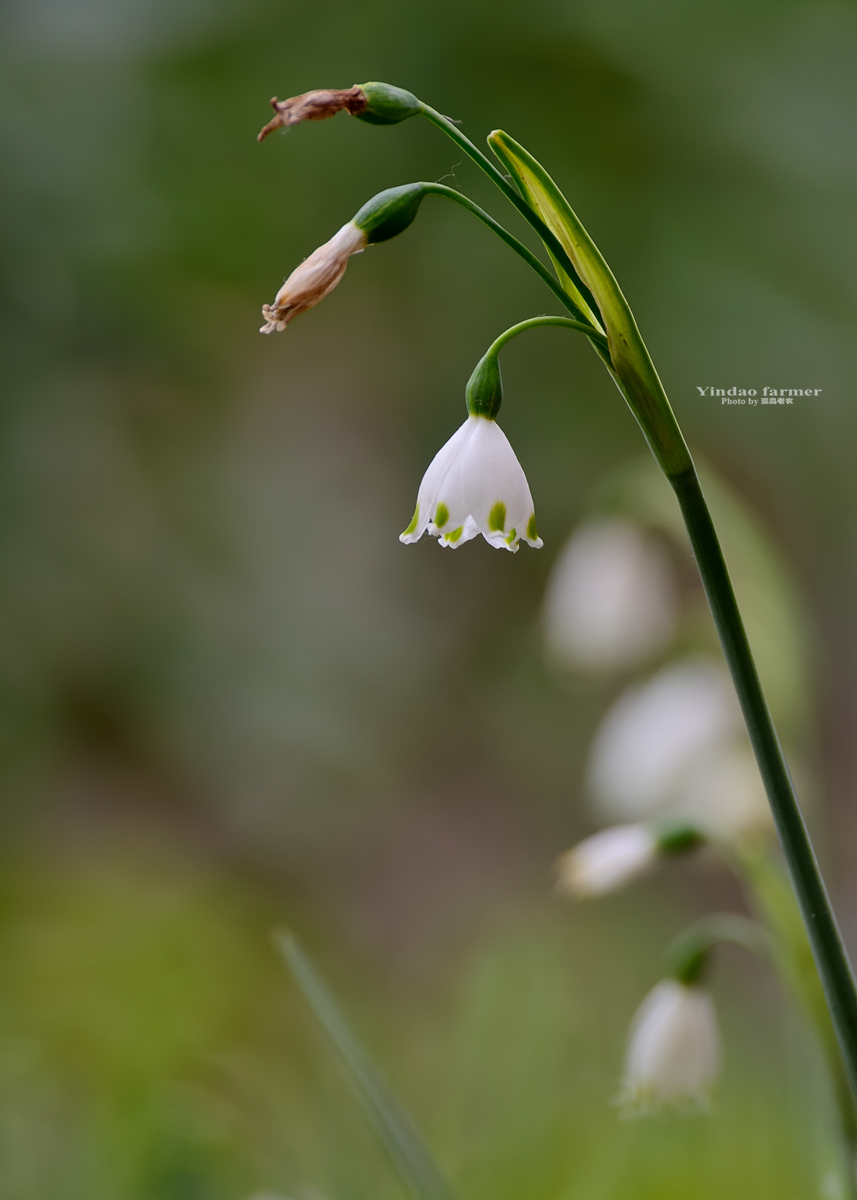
[390, 212]
[484, 391]
[386, 105]
[675, 836]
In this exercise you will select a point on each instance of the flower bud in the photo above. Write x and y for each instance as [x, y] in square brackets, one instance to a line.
[387, 105]
[390, 212]
[484, 391]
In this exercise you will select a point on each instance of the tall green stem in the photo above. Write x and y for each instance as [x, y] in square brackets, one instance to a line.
[547, 211]
[825, 939]
[773, 900]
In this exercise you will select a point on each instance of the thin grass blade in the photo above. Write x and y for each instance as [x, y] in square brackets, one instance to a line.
[402, 1144]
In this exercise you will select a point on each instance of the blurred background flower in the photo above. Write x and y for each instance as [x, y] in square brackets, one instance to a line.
[229, 698]
[611, 599]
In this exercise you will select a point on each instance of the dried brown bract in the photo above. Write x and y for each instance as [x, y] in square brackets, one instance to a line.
[315, 106]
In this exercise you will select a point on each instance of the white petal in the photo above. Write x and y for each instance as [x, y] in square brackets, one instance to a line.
[673, 1054]
[498, 496]
[459, 535]
[427, 496]
[654, 733]
[607, 861]
[611, 600]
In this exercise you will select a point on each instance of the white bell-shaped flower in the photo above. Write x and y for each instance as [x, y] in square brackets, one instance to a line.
[676, 746]
[314, 278]
[673, 1056]
[654, 733]
[475, 484]
[607, 861]
[611, 600]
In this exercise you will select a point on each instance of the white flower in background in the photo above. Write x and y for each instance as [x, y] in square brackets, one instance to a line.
[655, 737]
[722, 793]
[475, 484]
[611, 600]
[607, 861]
[314, 278]
[673, 1055]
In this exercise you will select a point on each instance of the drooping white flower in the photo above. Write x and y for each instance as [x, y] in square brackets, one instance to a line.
[676, 746]
[314, 278]
[475, 484]
[673, 1055]
[611, 600]
[607, 861]
[654, 733]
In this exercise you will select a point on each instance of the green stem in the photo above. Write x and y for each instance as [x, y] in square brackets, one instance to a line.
[532, 322]
[440, 189]
[544, 231]
[773, 900]
[825, 939]
[686, 956]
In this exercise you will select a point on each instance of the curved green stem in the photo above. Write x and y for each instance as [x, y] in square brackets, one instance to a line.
[546, 234]
[686, 954]
[531, 323]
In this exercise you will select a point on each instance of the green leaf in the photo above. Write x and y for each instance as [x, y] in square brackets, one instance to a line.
[633, 368]
[404, 1147]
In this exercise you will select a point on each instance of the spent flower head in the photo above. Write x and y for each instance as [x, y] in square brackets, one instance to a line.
[381, 218]
[314, 278]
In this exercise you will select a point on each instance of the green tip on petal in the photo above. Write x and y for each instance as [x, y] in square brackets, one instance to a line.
[497, 517]
[511, 535]
[441, 516]
[453, 537]
[415, 520]
[531, 529]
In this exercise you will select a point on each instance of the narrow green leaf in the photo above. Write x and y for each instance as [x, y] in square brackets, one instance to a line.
[404, 1147]
[634, 371]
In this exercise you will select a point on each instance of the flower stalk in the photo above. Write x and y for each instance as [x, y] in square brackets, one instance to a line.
[589, 291]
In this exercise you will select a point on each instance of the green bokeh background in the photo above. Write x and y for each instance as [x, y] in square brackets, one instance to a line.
[230, 699]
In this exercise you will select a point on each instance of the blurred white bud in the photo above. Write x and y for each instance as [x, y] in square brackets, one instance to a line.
[314, 278]
[673, 1055]
[606, 861]
[654, 736]
[611, 598]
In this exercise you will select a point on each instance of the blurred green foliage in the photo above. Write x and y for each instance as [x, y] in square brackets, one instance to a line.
[229, 697]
